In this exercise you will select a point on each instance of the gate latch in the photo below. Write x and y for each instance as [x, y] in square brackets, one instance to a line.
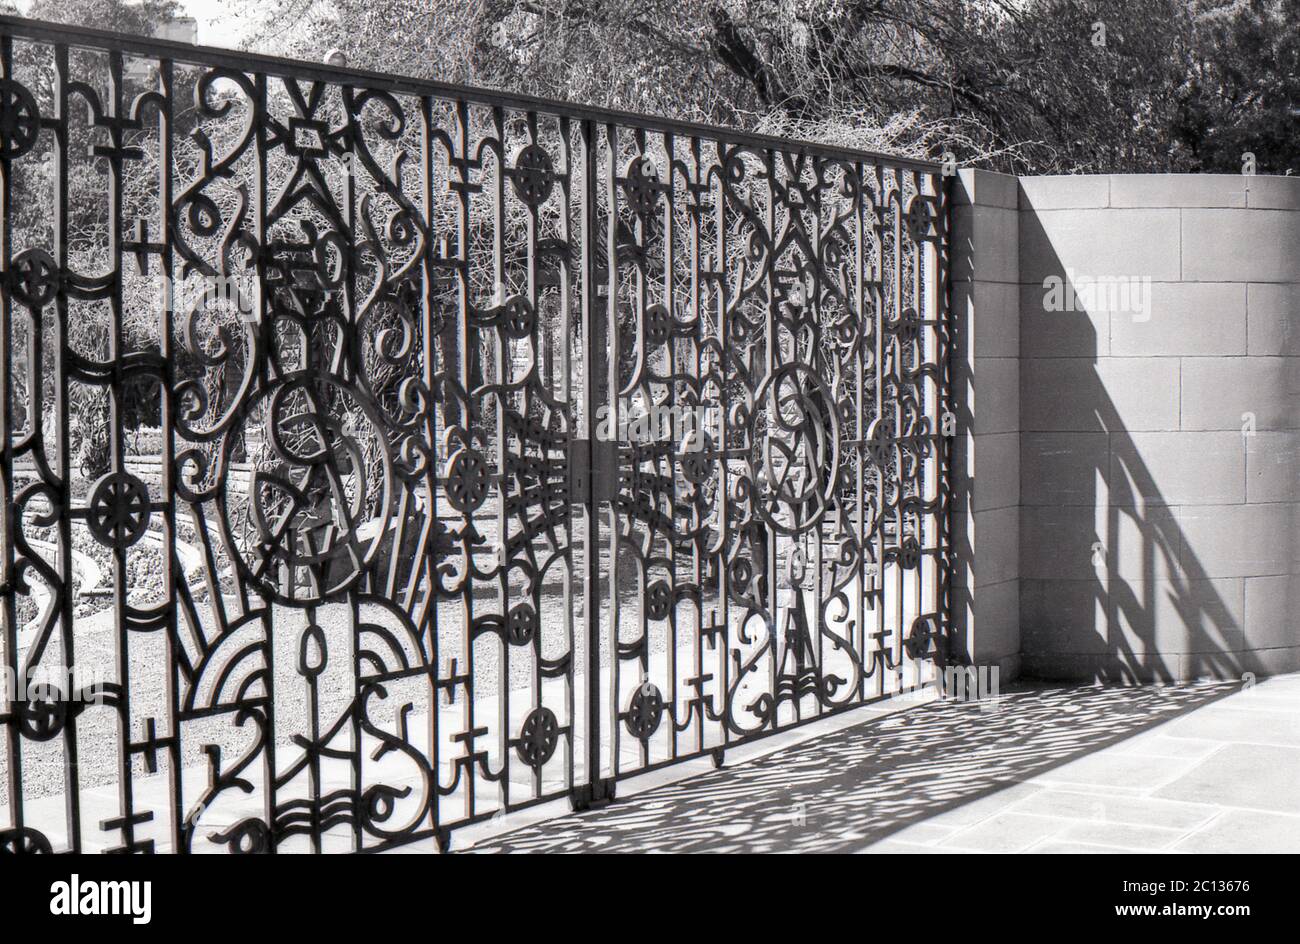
[593, 470]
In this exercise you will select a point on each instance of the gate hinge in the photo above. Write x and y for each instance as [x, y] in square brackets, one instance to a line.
[593, 470]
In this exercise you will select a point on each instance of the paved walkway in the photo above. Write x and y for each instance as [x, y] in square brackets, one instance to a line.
[1195, 768]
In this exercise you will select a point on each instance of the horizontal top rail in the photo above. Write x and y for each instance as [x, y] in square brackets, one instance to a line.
[86, 37]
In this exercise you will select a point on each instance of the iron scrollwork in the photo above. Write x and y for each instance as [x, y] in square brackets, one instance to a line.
[311, 381]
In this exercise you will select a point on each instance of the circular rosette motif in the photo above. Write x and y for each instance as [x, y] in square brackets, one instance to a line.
[517, 318]
[35, 280]
[697, 466]
[538, 737]
[467, 481]
[657, 324]
[514, 317]
[919, 218]
[118, 515]
[926, 631]
[645, 711]
[20, 121]
[24, 841]
[909, 553]
[795, 432]
[908, 327]
[43, 715]
[880, 447]
[318, 503]
[658, 600]
[521, 624]
[642, 186]
[533, 175]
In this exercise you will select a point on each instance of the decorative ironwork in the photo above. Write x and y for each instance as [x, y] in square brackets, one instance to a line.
[503, 449]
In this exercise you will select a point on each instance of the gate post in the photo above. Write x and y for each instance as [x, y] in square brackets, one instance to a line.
[985, 271]
[593, 791]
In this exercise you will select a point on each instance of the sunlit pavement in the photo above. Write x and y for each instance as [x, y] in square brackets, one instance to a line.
[1207, 767]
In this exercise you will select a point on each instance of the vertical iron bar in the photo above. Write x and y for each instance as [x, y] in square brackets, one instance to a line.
[592, 342]
[262, 304]
[501, 363]
[669, 301]
[62, 437]
[609, 633]
[14, 744]
[354, 368]
[166, 409]
[880, 204]
[566, 395]
[117, 459]
[428, 561]
[465, 357]
[862, 329]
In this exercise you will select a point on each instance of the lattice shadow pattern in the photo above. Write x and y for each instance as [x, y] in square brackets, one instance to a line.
[844, 791]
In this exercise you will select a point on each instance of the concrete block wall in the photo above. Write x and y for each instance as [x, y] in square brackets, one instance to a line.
[1159, 462]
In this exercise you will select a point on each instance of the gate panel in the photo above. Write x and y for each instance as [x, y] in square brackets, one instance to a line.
[382, 457]
[778, 539]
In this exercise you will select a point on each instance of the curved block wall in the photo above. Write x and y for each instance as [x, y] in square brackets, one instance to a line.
[1159, 435]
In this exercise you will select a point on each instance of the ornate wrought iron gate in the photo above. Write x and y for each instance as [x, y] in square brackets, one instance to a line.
[381, 456]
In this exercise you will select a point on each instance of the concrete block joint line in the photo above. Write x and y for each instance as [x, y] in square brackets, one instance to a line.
[1159, 526]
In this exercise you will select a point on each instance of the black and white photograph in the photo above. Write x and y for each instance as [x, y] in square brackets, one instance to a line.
[638, 426]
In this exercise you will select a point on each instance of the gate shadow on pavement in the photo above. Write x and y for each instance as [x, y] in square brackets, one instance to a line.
[841, 792]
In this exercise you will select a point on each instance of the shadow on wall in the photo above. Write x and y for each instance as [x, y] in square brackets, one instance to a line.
[1114, 587]
[843, 791]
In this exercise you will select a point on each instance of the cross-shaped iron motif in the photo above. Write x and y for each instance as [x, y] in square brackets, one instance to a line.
[883, 653]
[141, 247]
[697, 682]
[452, 681]
[150, 745]
[116, 151]
[127, 823]
[701, 702]
[471, 757]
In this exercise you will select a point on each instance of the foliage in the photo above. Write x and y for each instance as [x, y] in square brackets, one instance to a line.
[1243, 91]
[1163, 85]
[1040, 86]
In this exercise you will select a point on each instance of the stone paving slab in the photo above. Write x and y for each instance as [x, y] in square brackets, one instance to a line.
[1245, 831]
[1086, 808]
[1075, 770]
[1243, 775]
[1207, 767]
[1220, 778]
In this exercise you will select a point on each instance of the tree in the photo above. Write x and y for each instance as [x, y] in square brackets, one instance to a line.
[1242, 93]
[1046, 86]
